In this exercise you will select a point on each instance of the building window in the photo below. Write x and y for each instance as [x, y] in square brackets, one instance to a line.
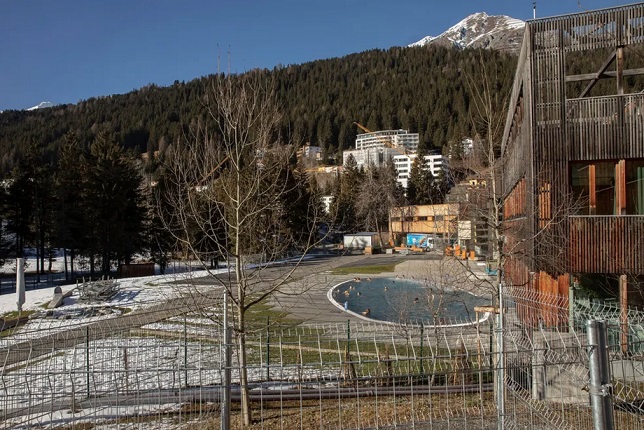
[594, 185]
[605, 188]
[580, 181]
[635, 187]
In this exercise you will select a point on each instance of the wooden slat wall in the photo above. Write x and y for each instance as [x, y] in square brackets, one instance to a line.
[604, 28]
[594, 129]
[514, 204]
[545, 132]
[607, 244]
[541, 299]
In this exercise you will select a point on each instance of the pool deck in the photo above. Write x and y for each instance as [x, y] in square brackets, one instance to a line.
[307, 299]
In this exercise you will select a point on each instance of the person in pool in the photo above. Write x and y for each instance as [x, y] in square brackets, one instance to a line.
[366, 312]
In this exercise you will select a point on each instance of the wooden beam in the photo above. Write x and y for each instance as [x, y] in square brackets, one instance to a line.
[620, 187]
[606, 74]
[620, 70]
[601, 71]
[592, 190]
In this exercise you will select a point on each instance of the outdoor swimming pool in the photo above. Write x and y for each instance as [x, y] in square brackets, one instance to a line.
[406, 301]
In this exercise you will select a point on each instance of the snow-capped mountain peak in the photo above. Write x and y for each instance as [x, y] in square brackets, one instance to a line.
[42, 105]
[481, 30]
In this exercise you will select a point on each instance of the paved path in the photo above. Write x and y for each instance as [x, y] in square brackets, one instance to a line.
[58, 340]
[305, 299]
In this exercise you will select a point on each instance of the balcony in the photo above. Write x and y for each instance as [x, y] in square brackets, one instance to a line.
[605, 127]
[607, 244]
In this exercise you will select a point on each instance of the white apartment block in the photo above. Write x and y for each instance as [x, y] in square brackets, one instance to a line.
[378, 146]
[404, 163]
[401, 139]
[398, 145]
[366, 157]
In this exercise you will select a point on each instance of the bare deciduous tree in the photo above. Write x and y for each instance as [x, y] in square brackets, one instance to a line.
[228, 191]
[378, 193]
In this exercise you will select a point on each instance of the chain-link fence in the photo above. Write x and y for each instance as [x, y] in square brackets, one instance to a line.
[164, 367]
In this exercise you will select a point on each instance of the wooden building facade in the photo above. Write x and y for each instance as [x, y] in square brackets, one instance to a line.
[439, 221]
[573, 146]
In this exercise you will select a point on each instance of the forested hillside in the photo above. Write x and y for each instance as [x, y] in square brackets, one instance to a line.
[420, 89]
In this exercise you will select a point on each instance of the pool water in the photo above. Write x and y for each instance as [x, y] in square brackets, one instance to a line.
[406, 301]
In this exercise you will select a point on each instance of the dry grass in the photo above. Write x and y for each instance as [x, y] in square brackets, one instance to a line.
[364, 413]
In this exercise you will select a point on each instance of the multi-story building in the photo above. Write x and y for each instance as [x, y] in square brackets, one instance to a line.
[402, 139]
[573, 180]
[377, 147]
[474, 230]
[436, 164]
[310, 152]
[438, 223]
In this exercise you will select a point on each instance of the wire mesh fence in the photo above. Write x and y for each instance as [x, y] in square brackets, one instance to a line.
[163, 368]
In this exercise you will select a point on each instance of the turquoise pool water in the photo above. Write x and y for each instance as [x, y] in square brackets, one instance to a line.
[406, 301]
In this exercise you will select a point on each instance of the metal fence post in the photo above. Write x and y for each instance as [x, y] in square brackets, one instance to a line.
[87, 361]
[422, 331]
[225, 403]
[268, 348]
[500, 365]
[599, 387]
[185, 350]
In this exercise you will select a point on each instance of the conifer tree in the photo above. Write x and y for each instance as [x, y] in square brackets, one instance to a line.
[343, 209]
[422, 187]
[29, 205]
[70, 189]
[116, 211]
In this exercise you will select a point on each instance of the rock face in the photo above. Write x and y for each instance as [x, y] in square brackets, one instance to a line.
[481, 30]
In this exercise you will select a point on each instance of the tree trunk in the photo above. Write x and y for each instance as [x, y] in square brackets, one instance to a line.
[71, 263]
[65, 260]
[37, 263]
[42, 249]
[243, 371]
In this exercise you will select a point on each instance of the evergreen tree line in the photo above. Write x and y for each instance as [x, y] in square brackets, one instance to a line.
[91, 203]
[421, 89]
[94, 203]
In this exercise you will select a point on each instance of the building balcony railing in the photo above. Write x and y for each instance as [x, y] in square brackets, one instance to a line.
[605, 127]
[607, 244]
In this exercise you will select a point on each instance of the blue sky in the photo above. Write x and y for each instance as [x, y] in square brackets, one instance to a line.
[70, 50]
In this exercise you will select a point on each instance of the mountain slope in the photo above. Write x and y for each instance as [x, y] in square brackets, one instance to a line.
[481, 30]
[42, 105]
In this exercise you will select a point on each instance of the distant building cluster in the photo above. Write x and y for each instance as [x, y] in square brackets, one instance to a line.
[400, 146]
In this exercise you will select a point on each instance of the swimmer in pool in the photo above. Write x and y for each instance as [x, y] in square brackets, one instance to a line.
[366, 312]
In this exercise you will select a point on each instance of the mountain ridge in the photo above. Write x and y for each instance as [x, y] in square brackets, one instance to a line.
[41, 105]
[480, 30]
